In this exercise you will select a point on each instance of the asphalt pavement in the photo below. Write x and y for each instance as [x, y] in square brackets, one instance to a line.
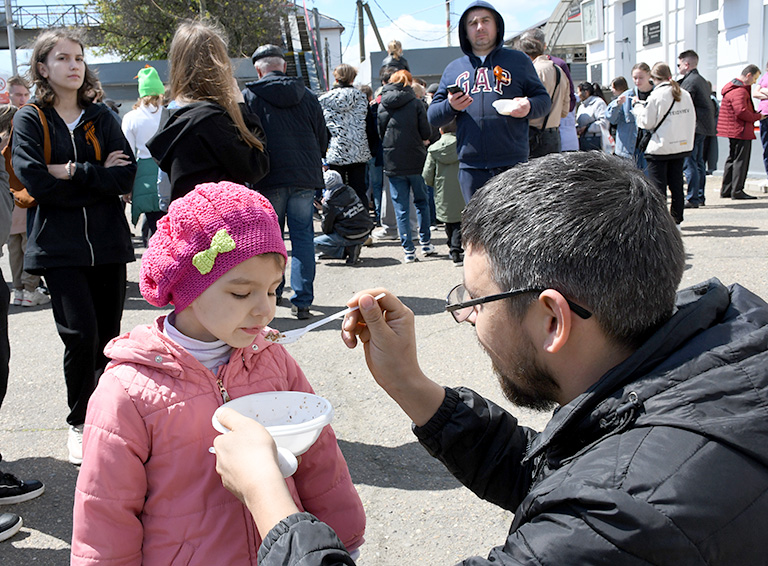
[417, 513]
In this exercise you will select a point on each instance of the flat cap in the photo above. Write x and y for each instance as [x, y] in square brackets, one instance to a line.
[267, 50]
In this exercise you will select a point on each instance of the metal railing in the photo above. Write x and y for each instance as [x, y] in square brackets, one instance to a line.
[41, 17]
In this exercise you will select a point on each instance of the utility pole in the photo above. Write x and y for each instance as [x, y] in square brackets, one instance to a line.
[327, 63]
[11, 35]
[361, 29]
[373, 25]
[448, 21]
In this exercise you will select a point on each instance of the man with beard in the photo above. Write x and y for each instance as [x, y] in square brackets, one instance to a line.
[656, 452]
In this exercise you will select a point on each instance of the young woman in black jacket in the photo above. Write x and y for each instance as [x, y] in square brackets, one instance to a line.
[404, 129]
[208, 136]
[80, 238]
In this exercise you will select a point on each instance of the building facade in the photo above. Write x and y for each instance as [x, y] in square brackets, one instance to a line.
[727, 35]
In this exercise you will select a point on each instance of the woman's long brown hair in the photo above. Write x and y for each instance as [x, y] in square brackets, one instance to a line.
[661, 73]
[44, 44]
[201, 71]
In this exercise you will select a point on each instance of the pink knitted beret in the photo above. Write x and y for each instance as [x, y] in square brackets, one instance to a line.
[205, 234]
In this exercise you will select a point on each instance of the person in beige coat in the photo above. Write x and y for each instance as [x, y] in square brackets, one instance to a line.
[544, 132]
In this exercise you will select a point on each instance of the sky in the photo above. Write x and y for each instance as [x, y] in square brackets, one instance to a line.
[416, 23]
[422, 23]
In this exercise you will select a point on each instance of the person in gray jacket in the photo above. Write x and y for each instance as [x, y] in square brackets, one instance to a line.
[656, 452]
[697, 86]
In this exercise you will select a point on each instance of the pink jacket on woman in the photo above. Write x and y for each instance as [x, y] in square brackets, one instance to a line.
[148, 491]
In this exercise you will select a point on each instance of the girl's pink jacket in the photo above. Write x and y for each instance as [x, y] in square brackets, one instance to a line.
[148, 491]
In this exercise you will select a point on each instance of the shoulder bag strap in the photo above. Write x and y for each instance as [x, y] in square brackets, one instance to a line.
[558, 70]
[46, 133]
[653, 131]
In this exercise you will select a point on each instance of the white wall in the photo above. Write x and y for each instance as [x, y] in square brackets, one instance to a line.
[741, 40]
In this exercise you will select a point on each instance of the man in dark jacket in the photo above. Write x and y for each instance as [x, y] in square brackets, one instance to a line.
[297, 139]
[656, 453]
[346, 223]
[698, 88]
[488, 142]
[736, 122]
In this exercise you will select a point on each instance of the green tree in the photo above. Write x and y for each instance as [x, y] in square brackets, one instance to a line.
[143, 29]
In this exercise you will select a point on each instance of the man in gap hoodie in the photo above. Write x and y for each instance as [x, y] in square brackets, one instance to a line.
[488, 142]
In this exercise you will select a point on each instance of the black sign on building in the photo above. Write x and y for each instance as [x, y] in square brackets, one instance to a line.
[652, 33]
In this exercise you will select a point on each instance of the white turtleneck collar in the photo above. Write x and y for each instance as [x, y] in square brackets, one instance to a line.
[210, 354]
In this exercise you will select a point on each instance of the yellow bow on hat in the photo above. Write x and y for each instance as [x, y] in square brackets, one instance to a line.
[220, 243]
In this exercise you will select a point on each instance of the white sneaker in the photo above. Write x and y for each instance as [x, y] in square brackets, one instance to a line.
[34, 298]
[410, 257]
[75, 444]
[18, 297]
[384, 234]
[428, 249]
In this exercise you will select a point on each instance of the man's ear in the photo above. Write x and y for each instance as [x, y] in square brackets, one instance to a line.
[557, 320]
[285, 66]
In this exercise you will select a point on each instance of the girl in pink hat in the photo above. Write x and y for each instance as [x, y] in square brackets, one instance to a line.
[148, 491]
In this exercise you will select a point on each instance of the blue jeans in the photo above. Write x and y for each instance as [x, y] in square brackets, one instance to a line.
[471, 179]
[333, 244]
[641, 162]
[295, 204]
[696, 171]
[375, 175]
[432, 205]
[400, 187]
[764, 140]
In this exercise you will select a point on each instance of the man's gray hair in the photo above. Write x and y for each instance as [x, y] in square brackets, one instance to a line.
[588, 225]
[535, 33]
[267, 64]
[530, 46]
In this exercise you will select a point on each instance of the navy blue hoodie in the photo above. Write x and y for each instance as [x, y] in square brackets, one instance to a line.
[486, 139]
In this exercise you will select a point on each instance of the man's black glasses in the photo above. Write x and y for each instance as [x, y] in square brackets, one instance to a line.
[461, 306]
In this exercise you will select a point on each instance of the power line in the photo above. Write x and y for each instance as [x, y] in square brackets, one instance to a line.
[439, 38]
[351, 35]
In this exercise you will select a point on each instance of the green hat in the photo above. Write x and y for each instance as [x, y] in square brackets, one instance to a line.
[149, 82]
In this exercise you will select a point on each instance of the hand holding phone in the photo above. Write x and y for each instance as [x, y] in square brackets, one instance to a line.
[455, 89]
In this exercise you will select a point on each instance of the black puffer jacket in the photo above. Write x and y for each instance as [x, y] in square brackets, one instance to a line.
[78, 222]
[199, 143]
[403, 127]
[293, 121]
[697, 87]
[663, 461]
[344, 213]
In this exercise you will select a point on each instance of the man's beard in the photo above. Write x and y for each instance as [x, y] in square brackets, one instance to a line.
[530, 386]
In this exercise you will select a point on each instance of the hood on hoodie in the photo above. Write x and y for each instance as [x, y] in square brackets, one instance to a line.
[278, 89]
[466, 47]
[180, 122]
[444, 149]
[396, 95]
[733, 85]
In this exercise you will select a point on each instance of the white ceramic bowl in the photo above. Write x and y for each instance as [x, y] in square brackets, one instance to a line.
[294, 419]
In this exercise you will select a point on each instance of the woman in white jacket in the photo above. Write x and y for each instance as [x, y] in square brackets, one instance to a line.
[590, 118]
[670, 114]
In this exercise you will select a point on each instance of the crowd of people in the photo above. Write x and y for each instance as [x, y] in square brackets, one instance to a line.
[217, 173]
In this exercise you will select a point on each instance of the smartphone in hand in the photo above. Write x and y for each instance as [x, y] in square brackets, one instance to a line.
[454, 89]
